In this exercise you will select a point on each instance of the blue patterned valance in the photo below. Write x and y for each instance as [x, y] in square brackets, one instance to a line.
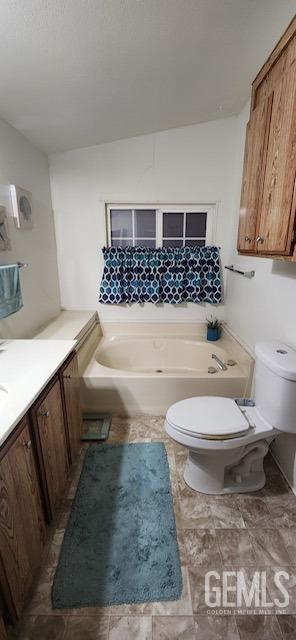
[175, 275]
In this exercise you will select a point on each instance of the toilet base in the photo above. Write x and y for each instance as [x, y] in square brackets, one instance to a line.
[237, 471]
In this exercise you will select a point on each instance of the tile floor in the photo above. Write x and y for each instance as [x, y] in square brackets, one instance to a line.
[240, 532]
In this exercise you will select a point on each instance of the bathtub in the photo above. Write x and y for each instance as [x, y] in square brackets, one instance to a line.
[144, 374]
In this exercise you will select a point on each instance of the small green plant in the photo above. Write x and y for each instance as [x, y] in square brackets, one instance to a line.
[214, 323]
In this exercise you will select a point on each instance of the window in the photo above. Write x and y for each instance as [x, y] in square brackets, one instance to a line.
[155, 226]
[132, 227]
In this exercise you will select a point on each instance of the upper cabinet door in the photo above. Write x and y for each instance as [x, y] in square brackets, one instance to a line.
[277, 212]
[254, 161]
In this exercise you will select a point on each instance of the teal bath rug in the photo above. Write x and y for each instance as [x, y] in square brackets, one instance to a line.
[120, 544]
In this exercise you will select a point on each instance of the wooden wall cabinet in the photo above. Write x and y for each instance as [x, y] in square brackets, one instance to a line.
[268, 196]
[253, 174]
[22, 528]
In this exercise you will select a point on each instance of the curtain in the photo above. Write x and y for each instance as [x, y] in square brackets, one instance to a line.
[175, 275]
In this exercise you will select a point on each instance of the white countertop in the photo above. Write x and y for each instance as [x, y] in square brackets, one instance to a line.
[26, 366]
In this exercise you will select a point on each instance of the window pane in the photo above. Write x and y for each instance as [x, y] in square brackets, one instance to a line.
[173, 225]
[196, 224]
[172, 243]
[140, 242]
[122, 242]
[121, 223]
[145, 223]
[195, 243]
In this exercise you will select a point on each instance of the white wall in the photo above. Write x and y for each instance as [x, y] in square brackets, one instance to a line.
[201, 163]
[24, 165]
[191, 164]
[263, 308]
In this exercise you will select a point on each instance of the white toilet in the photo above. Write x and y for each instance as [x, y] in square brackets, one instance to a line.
[227, 440]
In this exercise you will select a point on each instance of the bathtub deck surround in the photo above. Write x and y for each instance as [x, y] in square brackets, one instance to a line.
[79, 325]
[253, 532]
[145, 368]
[68, 325]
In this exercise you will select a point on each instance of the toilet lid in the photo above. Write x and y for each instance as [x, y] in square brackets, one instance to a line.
[208, 417]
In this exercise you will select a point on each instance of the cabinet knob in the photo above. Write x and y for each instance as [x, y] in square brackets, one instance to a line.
[67, 375]
[27, 444]
[260, 239]
[44, 413]
[248, 239]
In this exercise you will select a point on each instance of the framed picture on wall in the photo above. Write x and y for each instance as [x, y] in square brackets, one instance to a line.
[4, 233]
[22, 207]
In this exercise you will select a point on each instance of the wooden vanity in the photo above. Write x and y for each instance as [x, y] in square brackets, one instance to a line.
[34, 464]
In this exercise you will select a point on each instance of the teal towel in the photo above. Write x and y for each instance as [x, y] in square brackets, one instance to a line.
[10, 290]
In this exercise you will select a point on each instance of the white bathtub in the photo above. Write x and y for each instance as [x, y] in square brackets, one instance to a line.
[145, 374]
[157, 355]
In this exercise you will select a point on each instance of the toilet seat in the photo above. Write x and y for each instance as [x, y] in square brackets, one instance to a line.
[208, 417]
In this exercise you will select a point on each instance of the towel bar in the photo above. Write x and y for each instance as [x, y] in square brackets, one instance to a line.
[14, 264]
[246, 274]
[18, 264]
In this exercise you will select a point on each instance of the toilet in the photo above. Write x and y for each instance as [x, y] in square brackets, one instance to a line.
[227, 439]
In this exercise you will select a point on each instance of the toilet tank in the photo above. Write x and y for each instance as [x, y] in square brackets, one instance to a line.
[275, 384]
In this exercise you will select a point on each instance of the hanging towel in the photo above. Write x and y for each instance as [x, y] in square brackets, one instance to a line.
[10, 290]
[167, 274]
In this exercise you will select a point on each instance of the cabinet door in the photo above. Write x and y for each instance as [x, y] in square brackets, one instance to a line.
[3, 634]
[50, 425]
[253, 172]
[275, 230]
[71, 388]
[22, 528]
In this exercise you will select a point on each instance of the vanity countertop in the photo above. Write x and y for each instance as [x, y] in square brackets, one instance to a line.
[26, 366]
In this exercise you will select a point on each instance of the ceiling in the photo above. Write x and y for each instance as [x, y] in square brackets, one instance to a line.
[75, 73]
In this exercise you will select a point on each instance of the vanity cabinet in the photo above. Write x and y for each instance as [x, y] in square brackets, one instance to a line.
[22, 527]
[70, 384]
[34, 464]
[268, 195]
[51, 443]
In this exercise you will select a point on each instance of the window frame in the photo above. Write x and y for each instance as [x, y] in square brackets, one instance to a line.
[160, 208]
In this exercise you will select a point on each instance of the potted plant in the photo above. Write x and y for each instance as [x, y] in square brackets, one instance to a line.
[213, 329]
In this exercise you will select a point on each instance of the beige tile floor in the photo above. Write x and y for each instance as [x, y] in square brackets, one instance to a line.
[247, 532]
